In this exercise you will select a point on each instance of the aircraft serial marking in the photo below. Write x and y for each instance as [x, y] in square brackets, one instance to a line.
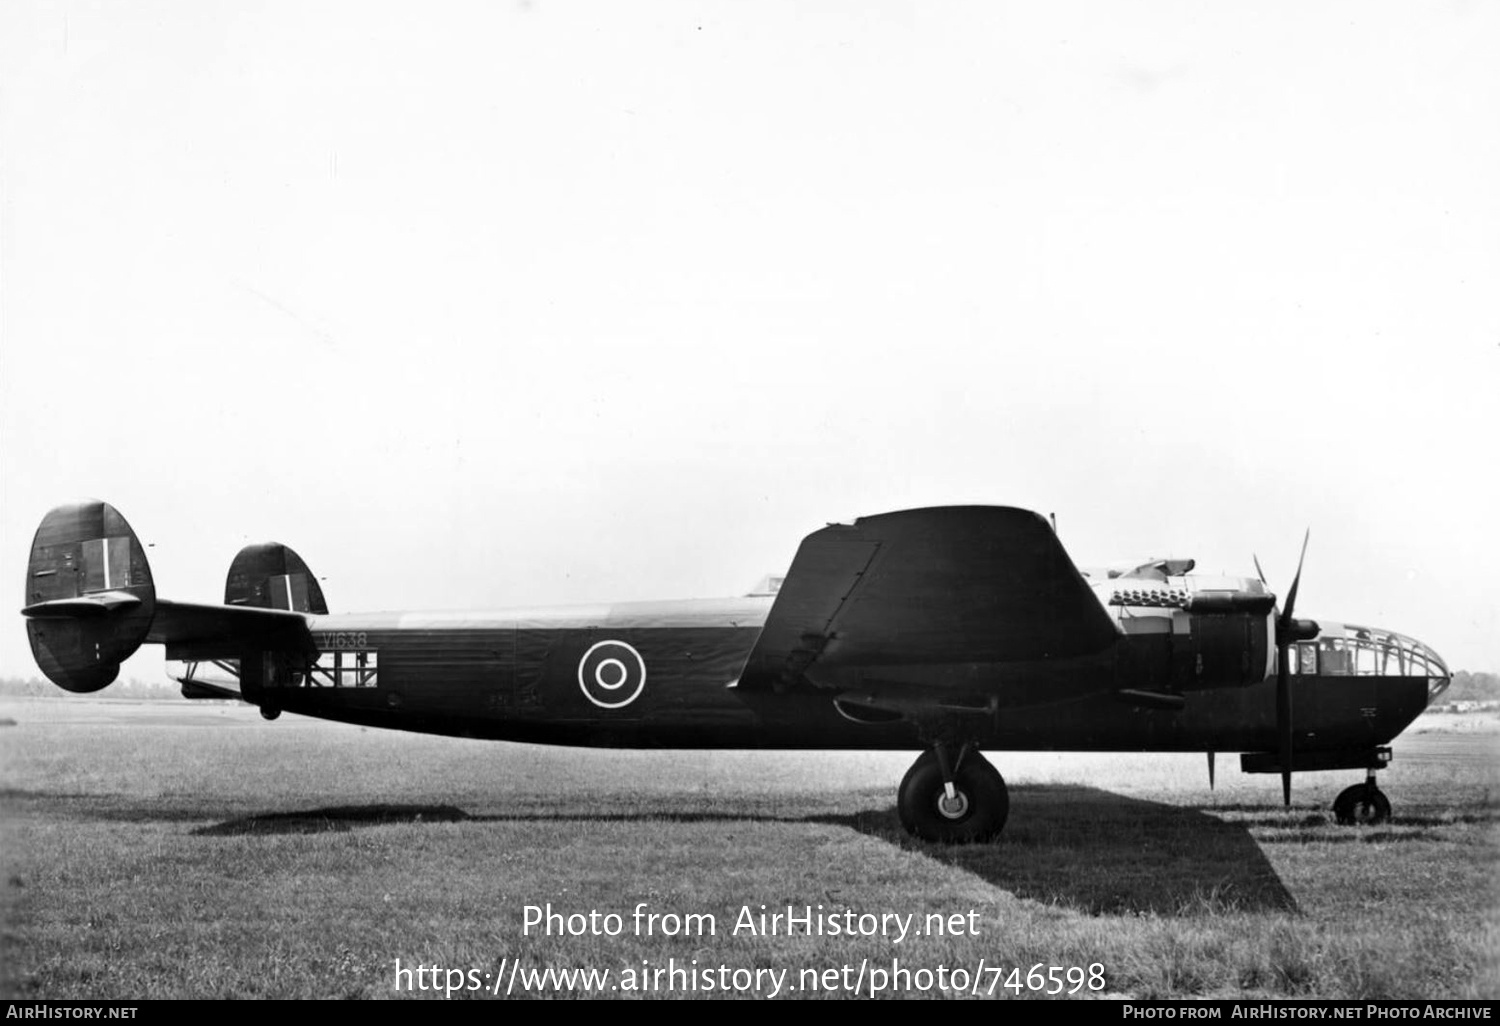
[332, 640]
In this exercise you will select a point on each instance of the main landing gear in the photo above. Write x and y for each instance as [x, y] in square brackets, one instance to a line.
[953, 797]
[1363, 804]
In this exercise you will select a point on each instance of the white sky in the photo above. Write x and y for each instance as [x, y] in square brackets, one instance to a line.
[479, 304]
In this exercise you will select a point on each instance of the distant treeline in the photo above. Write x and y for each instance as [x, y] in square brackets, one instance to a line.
[1466, 687]
[1473, 687]
[36, 687]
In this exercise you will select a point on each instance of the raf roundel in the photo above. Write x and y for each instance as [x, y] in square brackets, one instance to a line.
[611, 674]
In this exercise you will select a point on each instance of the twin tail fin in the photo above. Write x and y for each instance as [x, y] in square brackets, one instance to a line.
[91, 601]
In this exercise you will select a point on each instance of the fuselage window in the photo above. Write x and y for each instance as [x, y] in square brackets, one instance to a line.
[1390, 661]
[1307, 658]
[344, 670]
[1335, 658]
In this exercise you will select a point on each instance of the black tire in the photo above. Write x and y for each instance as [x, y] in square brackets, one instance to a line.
[1361, 805]
[982, 806]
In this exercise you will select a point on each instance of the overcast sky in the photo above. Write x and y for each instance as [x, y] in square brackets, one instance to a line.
[484, 304]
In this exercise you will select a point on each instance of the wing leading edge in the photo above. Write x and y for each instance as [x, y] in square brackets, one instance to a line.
[953, 584]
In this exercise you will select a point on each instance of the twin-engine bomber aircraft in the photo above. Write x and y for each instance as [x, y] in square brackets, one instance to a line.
[943, 630]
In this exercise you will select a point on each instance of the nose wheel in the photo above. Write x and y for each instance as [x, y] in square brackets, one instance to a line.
[1362, 805]
[968, 803]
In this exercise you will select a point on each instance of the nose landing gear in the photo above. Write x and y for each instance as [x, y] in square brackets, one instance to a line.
[1362, 805]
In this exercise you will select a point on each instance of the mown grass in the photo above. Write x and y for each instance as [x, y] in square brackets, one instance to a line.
[195, 851]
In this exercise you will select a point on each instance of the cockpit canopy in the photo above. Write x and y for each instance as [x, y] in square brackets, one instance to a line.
[1348, 650]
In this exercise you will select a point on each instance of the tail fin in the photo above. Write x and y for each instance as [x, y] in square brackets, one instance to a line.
[89, 595]
[272, 576]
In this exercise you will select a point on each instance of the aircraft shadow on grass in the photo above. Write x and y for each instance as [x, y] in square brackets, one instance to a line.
[1076, 847]
[1106, 854]
[334, 819]
[1321, 828]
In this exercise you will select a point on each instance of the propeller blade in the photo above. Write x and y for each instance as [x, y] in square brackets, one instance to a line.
[1284, 678]
[1291, 596]
[1284, 726]
[1256, 560]
[1210, 769]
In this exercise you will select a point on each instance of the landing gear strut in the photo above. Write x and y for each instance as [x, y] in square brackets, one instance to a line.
[1363, 804]
[953, 800]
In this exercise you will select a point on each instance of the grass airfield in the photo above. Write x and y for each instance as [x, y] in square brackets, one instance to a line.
[157, 849]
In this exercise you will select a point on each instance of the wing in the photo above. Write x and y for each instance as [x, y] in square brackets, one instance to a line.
[956, 584]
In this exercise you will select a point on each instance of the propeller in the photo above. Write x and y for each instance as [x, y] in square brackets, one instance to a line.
[1287, 631]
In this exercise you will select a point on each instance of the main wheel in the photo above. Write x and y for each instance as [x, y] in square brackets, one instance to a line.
[976, 812]
[1362, 804]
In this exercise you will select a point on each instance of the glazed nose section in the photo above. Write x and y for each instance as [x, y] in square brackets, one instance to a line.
[1426, 661]
[1398, 655]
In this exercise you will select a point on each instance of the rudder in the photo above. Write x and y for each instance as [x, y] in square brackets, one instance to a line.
[89, 595]
[272, 576]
